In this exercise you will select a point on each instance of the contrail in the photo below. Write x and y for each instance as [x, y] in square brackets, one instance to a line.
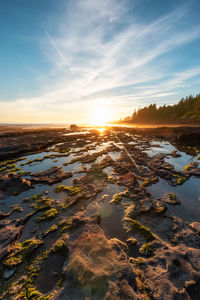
[57, 49]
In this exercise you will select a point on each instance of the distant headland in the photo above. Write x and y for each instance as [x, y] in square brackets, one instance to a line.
[186, 111]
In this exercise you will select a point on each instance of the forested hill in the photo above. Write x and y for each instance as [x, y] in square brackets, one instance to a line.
[186, 111]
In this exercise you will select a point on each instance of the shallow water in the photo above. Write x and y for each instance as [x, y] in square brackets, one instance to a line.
[188, 194]
[111, 213]
[160, 147]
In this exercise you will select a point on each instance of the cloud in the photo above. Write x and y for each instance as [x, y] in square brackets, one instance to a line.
[102, 50]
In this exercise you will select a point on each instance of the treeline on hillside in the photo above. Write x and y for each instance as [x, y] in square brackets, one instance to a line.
[187, 109]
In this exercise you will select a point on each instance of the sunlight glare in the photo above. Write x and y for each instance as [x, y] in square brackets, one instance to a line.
[101, 130]
[101, 115]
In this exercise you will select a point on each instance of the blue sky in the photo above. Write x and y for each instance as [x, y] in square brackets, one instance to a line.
[61, 60]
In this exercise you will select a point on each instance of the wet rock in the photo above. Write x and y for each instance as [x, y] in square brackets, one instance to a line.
[91, 183]
[127, 179]
[170, 198]
[79, 219]
[19, 142]
[50, 176]
[4, 215]
[140, 207]
[12, 184]
[111, 179]
[9, 232]
[187, 237]
[146, 175]
[159, 207]
[166, 170]
[192, 169]
[122, 290]
[88, 158]
[90, 215]
[160, 168]
[93, 262]
[193, 288]
[196, 227]
[141, 158]
[187, 136]
[50, 272]
[169, 271]
[121, 169]
[178, 135]
[106, 161]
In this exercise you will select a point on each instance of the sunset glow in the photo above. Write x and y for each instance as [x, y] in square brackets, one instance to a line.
[100, 115]
[101, 130]
[127, 53]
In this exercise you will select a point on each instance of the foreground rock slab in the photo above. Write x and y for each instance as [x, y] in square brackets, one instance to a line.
[99, 268]
[173, 273]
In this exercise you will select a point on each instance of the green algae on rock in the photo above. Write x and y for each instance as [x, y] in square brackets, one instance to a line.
[135, 225]
[146, 249]
[116, 198]
[70, 190]
[22, 251]
[47, 215]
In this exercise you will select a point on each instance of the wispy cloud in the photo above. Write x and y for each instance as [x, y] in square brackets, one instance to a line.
[102, 50]
[59, 52]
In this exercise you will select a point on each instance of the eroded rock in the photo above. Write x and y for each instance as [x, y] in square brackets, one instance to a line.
[12, 184]
[94, 261]
[50, 176]
[170, 198]
[170, 270]
[9, 232]
[192, 169]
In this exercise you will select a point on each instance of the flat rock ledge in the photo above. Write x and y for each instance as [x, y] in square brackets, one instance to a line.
[50, 176]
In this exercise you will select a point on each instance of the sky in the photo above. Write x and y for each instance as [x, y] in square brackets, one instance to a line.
[75, 60]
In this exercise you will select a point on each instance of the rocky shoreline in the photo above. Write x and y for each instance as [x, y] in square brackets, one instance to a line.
[79, 219]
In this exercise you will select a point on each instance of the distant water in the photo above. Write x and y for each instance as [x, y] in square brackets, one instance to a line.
[32, 126]
[67, 125]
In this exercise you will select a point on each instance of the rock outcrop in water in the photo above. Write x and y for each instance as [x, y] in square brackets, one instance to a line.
[12, 184]
[50, 176]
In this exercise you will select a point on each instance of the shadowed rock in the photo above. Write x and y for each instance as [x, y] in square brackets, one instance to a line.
[9, 232]
[12, 183]
[171, 271]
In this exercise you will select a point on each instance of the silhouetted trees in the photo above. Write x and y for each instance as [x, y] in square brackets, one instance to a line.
[187, 109]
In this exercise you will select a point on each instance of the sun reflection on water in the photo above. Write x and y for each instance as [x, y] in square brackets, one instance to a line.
[101, 130]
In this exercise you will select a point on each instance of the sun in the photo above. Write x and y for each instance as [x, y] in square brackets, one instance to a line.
[101, 115]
